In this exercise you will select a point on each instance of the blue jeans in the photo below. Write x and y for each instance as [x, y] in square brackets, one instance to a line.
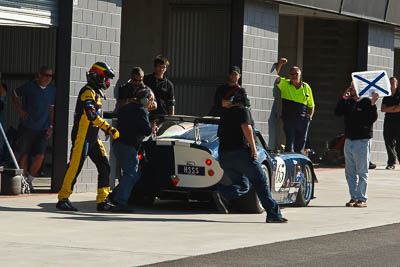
[128, 159]
[296, 134]
[239, 163]
[357, 155]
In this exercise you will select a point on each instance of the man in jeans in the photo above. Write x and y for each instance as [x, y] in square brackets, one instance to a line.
[238, 153]
[359, 117]
[133, 125]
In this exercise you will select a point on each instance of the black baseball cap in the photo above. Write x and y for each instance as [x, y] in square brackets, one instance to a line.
[234, 69]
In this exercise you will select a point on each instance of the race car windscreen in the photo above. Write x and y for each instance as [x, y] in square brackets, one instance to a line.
[208, 133]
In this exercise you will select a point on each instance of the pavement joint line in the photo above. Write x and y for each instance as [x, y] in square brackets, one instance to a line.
[97, 249]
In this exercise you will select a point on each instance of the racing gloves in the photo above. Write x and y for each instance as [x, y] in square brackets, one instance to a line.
[108, 129]
[113, 132]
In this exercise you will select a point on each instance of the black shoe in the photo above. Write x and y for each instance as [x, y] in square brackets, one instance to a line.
[371, 166]
[66, 205]
[277, 220]
[220, 203]
[390, 167]
[106, 205]
[122, 209]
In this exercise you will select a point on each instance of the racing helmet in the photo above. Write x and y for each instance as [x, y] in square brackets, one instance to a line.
[143, 94]
[240, 96]
[100, 74]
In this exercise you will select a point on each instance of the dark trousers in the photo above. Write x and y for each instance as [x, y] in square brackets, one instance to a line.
[391, 134]
[296, 134]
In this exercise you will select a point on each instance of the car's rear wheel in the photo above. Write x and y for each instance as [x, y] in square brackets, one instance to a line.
[306, 188]
[249, 202]
[141, 195]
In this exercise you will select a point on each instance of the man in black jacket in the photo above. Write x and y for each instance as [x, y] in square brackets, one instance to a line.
[134, 125]
[359, 116]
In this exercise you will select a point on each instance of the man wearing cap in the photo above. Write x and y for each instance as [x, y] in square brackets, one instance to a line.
[225, 91]
[238, 154]
[297, 107]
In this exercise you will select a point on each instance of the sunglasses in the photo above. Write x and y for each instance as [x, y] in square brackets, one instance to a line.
[47, 75]
[294, 74]
[137, 81]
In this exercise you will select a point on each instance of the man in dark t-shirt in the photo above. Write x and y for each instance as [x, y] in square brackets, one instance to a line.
[127, 91]
[391, 124]
[162, 87]
[238, 155]
[225, 91]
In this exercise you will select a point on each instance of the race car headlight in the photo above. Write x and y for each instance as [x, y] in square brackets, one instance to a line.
[208, 162]
[140, 157]
[210, 173]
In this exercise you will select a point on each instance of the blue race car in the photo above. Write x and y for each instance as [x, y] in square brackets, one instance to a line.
[182, 163]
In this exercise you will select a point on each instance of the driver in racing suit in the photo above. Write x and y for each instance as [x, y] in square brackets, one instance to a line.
[85, 140]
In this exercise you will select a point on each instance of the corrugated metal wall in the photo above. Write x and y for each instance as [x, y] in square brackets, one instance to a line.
[22, 51]
[330, 53]
[28, 12]
[198, 46]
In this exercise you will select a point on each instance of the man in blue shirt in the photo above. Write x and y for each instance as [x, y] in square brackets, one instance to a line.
[35, 105]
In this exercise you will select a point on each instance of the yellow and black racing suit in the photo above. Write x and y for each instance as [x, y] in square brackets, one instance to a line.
[85, 142]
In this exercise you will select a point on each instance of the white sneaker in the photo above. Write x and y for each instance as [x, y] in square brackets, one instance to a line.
[30, 180]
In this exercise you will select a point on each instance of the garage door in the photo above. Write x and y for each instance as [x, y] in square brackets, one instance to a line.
[397, 38]
[40, 13]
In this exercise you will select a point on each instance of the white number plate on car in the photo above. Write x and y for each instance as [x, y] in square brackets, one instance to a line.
[191, 170]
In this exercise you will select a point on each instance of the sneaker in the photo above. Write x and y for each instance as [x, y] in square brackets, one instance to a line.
[122, 209]
[66, 205]
[220, 203]
[106, 205]
[29, 179]
[277, 220]
[390, 167]
[351, 203]
[371, 165]
[361, 204]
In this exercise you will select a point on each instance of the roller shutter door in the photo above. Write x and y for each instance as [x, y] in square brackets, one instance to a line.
[397, 38]
[39, 13]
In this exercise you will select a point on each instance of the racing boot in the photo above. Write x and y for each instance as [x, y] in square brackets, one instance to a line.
[65, 205]
[106, 205]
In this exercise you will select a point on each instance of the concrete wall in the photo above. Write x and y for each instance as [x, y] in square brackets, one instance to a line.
[260, 51]
[380, 57]
[96, 28]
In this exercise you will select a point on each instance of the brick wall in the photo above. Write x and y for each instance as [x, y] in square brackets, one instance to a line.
[96, 28]
[380, 57]
[260, 52]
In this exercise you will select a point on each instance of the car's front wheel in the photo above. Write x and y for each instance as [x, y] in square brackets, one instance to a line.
[306, 188]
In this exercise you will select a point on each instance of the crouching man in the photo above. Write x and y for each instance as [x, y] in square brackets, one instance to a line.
[238, 153]
[134, 125]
